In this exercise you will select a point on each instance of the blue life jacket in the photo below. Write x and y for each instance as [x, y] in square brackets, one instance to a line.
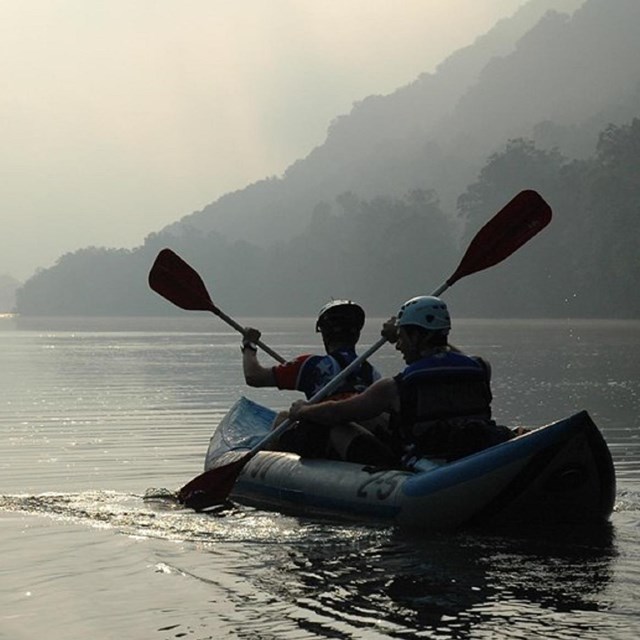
[445, 405]
[318, 371]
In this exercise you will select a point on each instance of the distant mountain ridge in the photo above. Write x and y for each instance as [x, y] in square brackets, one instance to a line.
[389, 144]
[546, 100]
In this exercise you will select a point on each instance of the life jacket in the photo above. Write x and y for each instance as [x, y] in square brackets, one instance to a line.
[312, 373]
[445, 406]
[357, 381]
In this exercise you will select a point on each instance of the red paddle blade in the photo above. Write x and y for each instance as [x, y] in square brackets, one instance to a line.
[516, 223]
[175, 280]
[213, 486]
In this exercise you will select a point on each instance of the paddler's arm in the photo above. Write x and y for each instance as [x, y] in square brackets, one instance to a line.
[381, 396]
[255, 375]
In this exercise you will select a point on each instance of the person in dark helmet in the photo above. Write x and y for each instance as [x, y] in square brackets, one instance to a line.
[440, 404]
[339, 323]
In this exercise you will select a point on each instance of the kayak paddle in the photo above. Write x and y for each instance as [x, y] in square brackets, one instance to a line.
[514, 225]
[180, 283]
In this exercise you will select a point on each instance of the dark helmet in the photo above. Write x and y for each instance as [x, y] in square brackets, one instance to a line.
[341, 316]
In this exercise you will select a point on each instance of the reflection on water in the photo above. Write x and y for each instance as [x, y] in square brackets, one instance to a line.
[93, 413]
[454, 584]
[347, 581]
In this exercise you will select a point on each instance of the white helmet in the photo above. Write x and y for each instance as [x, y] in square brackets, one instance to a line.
[427, 312]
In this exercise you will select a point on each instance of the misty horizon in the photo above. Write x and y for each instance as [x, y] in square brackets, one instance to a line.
[109, 140]
[405, 178]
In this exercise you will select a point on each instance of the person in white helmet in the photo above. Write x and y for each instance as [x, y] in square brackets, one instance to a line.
[339, 323]
[440, 404]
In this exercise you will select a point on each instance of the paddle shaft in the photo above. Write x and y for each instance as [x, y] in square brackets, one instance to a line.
[232, 323]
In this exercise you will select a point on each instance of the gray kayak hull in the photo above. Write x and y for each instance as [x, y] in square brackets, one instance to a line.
[561, 473]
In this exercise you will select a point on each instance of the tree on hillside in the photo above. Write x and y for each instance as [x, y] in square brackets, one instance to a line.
[613, 196]
[90, 282]
[514, 284]
[378, 251]
[587, 261]
[521, 165]
[386, 249]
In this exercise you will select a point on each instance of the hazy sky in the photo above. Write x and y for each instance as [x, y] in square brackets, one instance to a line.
[121, 116]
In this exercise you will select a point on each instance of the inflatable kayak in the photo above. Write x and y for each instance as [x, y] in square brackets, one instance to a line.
[561, 473]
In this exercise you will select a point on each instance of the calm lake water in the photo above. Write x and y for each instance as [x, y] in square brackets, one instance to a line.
[93, 413]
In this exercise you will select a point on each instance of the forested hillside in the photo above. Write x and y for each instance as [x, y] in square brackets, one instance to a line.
[586, 263]
[383, 210]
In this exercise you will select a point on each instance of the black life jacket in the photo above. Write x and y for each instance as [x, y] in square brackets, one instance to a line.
[445, 406]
